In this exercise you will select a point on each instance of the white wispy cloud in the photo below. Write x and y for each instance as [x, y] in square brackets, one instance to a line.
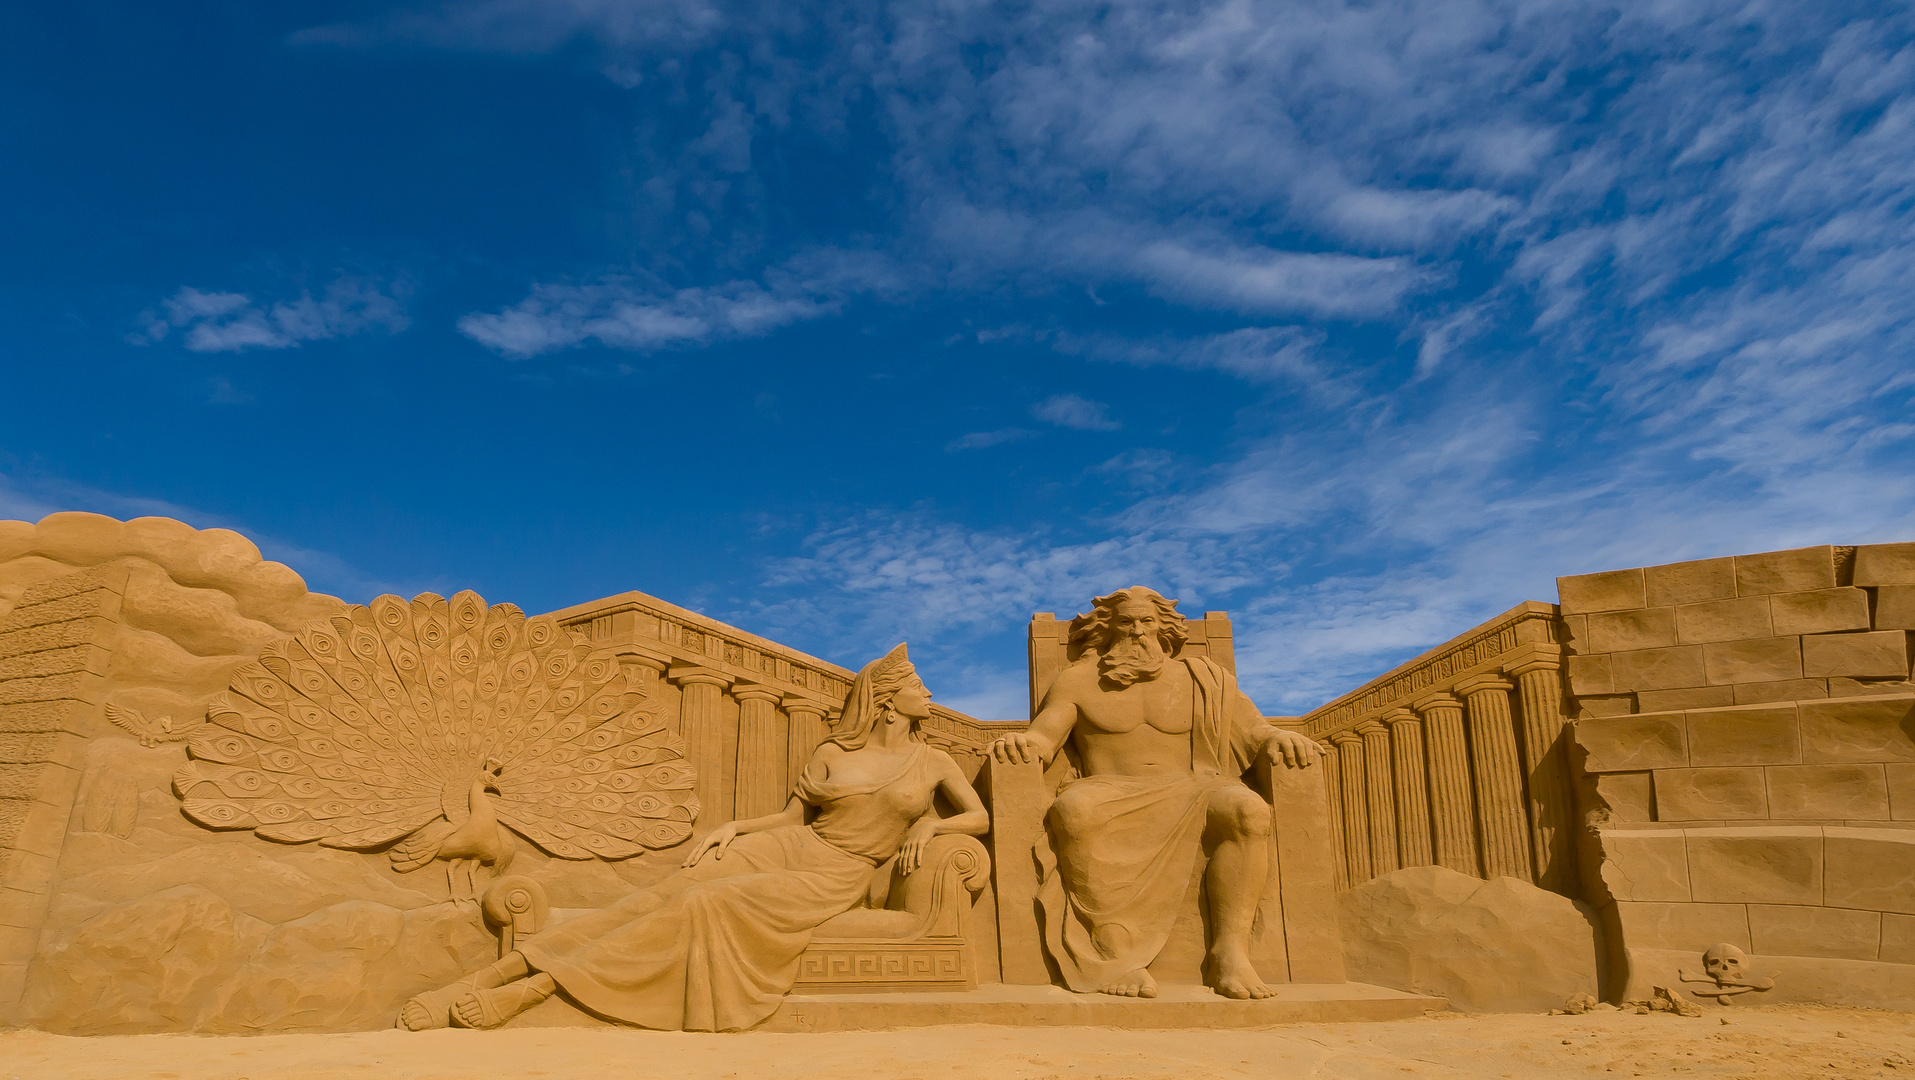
[1077, 413]
[983, 440]
[234, 322]
[1640, 271]
[622, 314]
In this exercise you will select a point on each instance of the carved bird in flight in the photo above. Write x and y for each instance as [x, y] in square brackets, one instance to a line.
[150, 732]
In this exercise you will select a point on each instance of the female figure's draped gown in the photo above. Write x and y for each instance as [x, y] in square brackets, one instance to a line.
[715, 947]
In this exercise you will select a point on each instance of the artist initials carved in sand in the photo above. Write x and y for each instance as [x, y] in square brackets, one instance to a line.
[444, 726]
[1162, 741]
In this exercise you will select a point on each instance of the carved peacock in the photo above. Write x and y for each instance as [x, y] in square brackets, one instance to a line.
[435, 727]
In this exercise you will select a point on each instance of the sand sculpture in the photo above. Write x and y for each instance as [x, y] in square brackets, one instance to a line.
[715, 946]
[1161, 742]
[230, 805]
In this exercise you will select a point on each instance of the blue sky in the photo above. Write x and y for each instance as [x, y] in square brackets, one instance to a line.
[852, 322]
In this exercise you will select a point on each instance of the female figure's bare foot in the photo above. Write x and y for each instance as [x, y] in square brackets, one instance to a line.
[1136, 983]
[433, 1009]
[1236, 978]
[493, 1007]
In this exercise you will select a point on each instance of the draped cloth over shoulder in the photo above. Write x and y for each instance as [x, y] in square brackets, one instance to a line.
[715, 947]
[1126, 846]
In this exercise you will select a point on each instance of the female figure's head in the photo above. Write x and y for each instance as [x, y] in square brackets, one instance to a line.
[888, 691]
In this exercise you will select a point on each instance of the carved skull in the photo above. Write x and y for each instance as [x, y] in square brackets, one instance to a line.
[1726, 964]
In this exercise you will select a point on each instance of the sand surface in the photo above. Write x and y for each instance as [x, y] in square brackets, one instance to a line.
[1762, 1043]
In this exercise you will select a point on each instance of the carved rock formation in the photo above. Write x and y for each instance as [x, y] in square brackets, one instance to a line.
[1496, 946]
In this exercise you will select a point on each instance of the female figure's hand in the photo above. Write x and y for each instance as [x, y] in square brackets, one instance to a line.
[911, 855]
[715, 842]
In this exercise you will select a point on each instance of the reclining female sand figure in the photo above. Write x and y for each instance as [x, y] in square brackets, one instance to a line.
[715, 946]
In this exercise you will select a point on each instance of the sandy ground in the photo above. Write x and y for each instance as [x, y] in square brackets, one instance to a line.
[1762, 1042]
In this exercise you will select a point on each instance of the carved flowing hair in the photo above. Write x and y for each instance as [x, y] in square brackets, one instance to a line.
[1092, 629]
[871, 694]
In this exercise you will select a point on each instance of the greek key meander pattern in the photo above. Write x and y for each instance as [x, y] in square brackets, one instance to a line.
[1490, 642]
[833, 965]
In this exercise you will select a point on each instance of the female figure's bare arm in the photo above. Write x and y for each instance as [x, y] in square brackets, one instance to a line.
[720, 838]
[971, 817]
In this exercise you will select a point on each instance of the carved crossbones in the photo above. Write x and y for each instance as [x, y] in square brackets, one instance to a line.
[1726, 967]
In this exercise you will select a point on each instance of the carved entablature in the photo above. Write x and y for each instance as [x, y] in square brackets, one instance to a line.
[1485, 648]
[638, 625]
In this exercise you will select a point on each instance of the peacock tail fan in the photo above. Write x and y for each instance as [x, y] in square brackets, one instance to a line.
[359, 731]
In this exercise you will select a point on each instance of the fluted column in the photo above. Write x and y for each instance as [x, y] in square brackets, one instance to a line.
[1500, 805]
[1412, 787]
[801, 740]
[1356, 805]
[702, 722]
[1551, 798]
[1382, 796]
[1333, 788]
[1452, 813]
[761, 752]
[645, 675]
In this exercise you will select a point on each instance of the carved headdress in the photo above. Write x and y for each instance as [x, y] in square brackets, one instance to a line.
[871, 693]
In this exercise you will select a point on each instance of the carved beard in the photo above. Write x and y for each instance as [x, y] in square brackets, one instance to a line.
[1132, 659]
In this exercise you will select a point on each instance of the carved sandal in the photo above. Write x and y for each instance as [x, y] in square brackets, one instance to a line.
[436, 1005]
[499, 1004]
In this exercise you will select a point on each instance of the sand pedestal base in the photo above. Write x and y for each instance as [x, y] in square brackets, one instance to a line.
[1048, 1006]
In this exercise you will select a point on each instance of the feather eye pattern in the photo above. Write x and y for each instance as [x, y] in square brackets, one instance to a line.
[361, 731]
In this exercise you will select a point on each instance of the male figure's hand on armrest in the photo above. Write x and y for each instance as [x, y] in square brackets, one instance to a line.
[1290, 748]
[1021, 748]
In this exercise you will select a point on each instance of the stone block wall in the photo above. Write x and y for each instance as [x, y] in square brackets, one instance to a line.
[1812, 622]
[55, 645]
[1745, 748]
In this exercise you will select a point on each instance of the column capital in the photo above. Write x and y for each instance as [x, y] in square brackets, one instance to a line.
[793, 703]
[656, 659]
[1346, 737]
[697, 675]
[1488, 680]
[1371, 727]
[1441, 699]
[745, 691]
[1400, 716]
[1536, 656]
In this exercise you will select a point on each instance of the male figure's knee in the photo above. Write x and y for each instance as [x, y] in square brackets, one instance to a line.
[1240, 814]
[1071, 811]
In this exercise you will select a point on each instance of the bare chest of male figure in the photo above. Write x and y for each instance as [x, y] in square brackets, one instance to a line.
[1139, 730]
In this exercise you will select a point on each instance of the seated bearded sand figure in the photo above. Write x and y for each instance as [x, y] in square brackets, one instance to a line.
[1162, 741]
[715, 946]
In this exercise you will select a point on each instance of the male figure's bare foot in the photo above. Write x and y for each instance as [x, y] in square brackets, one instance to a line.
[1237, 978]
[1137, 983]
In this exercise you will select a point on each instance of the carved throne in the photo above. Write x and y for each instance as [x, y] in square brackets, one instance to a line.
[1295, 937]
[914, 934]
